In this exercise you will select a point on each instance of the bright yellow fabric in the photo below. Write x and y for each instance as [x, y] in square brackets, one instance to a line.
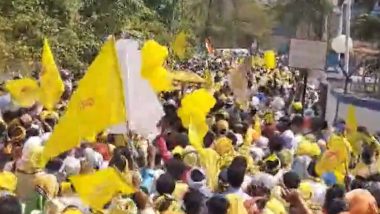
[270, 59]
[209, 161]
[351, 121]
[25, 92]
[97, 189]
[8, 181]
[193, 112]
[197, 130]
[51, 84]
[179, 45]
[97, 104]
[180, 190]
[275, 206]
[153, 58]
[236, 204]
[257, 126]
[308, 148]
[336, 158]
[209, 80]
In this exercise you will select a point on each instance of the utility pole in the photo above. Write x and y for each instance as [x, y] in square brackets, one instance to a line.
[348, 35]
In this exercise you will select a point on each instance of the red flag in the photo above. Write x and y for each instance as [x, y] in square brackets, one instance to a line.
[209, 46]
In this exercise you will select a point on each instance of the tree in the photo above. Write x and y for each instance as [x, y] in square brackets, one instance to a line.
[306, 17]
[75, 29]
[367, 28]
[230, 23]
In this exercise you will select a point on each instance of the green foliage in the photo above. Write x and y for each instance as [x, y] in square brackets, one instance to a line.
[77, 28]
[311, 13]
[229, 23]
[367, 28]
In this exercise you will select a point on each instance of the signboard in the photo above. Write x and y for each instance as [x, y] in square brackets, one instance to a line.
[307, 54]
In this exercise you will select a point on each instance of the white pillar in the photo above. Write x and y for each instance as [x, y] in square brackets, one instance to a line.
[348, 35]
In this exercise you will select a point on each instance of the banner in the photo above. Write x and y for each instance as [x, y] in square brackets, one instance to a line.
[142, 105]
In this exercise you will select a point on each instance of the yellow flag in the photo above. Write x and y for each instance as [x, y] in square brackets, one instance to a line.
[197, 131]
[97, 104]
[97, 189]
[209, 161]
[257, 126]
[25, 92]
[270, 59]
[236, 204]
[153, 56]
[195, 106]
[179, 45]
[351, 121]
[209, 84]
[51, 84]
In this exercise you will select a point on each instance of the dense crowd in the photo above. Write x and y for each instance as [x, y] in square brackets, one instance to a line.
[263, 156]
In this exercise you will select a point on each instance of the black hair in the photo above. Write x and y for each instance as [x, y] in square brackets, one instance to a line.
[358, 183]
[239, 161]
[217, 205]
[235, 175]
[291, 180]
[367, 154]
[54, 165]
[10, 205]
[276, 143]
[297, 121]
[165, 184]
[337, 206]
[119, 162]
[209, 139]
[232, 137]
[175, 167]
[311, 168]
[376, 194]
[197, 175]
[334, 192]
[120, 157]
[193, 201]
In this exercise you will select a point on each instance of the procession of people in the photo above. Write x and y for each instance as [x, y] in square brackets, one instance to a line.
[241, 140]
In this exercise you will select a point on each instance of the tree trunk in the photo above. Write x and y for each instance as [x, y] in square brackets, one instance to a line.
[347, 79]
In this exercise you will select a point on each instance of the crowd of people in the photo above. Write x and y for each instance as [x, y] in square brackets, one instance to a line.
[258, 157]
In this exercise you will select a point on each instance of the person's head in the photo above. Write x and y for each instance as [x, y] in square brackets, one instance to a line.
[165, 184]
[297, 123]
[193, 201]
[175, 167]
[217, 205]
[197, 175]
[311, 168]
[239, 161]
[235, 175]
[291, 180]
[230, 135]
[276, 143]
[368, 155]
[209, 138]
[337, 206]
[334, 192]
[10, 205]
[358, 183]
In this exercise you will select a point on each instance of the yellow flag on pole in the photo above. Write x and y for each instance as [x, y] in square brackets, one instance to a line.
[257, 126]
[351, 121]
[179, 45]
[51, 84]
[25, 92]
[197, 131]
[97, 104]
[97, 189]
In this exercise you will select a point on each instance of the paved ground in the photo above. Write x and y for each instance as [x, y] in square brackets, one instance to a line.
[365, 117]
